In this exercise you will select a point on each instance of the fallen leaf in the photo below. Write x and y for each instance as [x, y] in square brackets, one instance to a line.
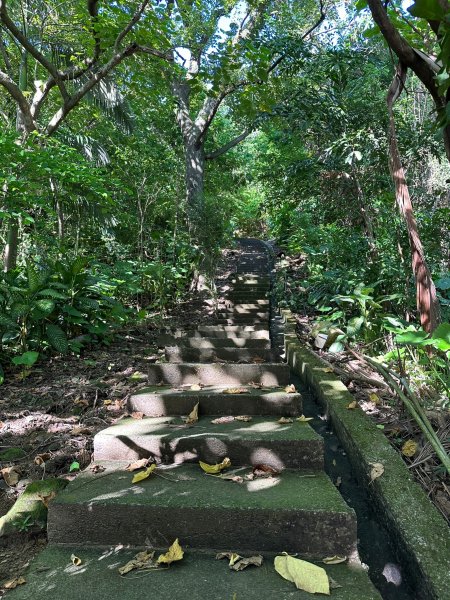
[231, 477]
[107, 402]
[11, 475]
[143, 474]
[305, 575]
[258, 359]
[98, 469]
[328, 370]
[13, 583]
[264, 471]
[214, 469]
[195, 387]
[137, 415]
[40, 459]
[141, 560]
[139, 464]
[244, 418]
[238, 390]
[353, 404]
[76, 560]
[193, 415]
[175, 552]
[242, 564]
[334, 560]
[338, 482]
[232, 557]
[303, 419]
[221, 420]
[80, 430]
[376, 471]
[290, 389]
[285, 421]
[334, 585]
[409, 448]
[80, 401]
[256, 386]
[374, 398]
[45, 499]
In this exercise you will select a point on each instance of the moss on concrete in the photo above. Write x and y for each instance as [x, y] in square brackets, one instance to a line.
[29, 511]
[421, 534]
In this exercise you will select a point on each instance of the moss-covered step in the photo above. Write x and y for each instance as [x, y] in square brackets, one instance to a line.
[186, 339]
[169, 440]
[231, 313]
[256, 305]
[179, 354]
[233, 328]
[216, 331]
[241, 321]
[29, 512]
[300, 510]
[267, 374]
[199, 576]
[158, 401]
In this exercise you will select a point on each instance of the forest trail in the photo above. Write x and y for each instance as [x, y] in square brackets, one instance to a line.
[274, 498]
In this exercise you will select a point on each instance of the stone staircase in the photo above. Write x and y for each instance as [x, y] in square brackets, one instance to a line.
[297, 511]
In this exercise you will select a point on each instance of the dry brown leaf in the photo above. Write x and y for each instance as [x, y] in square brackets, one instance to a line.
[139, 464]
[45, 499]
[98, 469]
[80, 430]
[376, 471]
[193, 415]
[76, 560]
[243, 563]
[352, 405]
[264, 471]
[142, 560]
[409, 448]
[80, 401]
[13, 583]
[137, 415]
[232, 557]
[11, 475]
[237, 390]
[285, 421]
[40, 459]
[258, 360]
[256, 386]
[221, 420]
[244, 418]
[290, 389]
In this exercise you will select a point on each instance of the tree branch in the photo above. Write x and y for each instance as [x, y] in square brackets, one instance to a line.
[21, 101]
[131, 23]
[231, 144]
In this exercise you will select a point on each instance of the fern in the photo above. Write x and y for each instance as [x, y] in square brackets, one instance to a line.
[57, 338]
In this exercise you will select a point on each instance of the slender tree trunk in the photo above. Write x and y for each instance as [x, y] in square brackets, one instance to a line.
[195, 174]
[427, 301]
[365, 213]
[12, 240]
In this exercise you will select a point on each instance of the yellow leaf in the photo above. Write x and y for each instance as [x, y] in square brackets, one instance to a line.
[334, 560]
[409, 448]
[290, 389]
[143, 474]
[328, 370]
[193, 415]
[285, 421]
[238, 390]
[244, 418]
[75, 560]
[374, 398]
[352, 405]
[376, 471]
[196, 387]
[304, 419]
[175, 552]
[214, 469]
[139, 464]
[306, 576]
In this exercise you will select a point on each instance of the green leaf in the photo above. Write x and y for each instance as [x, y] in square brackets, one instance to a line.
[2, 375]
[75, 466]
[45, 306]
[411, 337]
[441, 337]
[57, 338]
[427, 9]
[27, 359]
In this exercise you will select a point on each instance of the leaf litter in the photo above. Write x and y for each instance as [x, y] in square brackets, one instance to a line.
[239, 563]
[215, 469]
[145, 560]
[306, 576]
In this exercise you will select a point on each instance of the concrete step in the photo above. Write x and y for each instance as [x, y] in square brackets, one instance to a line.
[51, 577]
[301, 510]
[230, 341]
[228, 305]
[217, 332]
[241, 321]
[170, 441]
[267, 374]
[159, 401]
[247, 296]
[180, 354]
[233, 328]
[244, 288]
[241, 314]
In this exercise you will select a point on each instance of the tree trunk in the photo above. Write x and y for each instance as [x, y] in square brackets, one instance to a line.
[12, 241]
[427, 301]
[195, 173]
